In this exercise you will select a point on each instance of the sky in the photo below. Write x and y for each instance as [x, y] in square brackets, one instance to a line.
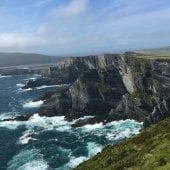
[70, 27]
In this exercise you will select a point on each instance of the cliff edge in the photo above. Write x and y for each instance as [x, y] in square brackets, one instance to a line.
[110, 87]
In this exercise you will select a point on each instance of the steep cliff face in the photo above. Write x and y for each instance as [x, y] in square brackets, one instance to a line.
[151, 89]
[113, 87]
[97, 89]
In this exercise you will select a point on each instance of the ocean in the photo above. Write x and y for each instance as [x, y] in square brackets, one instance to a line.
[43, 143]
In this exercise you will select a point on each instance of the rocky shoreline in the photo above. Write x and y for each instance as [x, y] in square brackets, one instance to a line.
[108, 87]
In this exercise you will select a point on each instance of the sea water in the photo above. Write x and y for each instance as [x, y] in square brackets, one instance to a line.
[43, 143]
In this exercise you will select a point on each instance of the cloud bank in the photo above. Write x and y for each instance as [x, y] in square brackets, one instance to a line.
[83, 26]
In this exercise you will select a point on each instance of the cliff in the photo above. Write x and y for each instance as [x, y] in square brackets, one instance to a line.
[149, 150]
[111, 87]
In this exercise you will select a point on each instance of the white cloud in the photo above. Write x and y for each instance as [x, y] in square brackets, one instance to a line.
[19, 40]
[74, 8]
[76, 26]
[31, 42]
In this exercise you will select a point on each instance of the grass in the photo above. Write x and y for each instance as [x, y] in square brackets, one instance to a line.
[151, 56]
[157, 53]
[149, 150]
[164, 51]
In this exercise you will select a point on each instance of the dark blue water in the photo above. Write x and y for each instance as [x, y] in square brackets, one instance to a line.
[48, 143]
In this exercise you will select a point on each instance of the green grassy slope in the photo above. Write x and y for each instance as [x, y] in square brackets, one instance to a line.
[149, 150]
[164, 51]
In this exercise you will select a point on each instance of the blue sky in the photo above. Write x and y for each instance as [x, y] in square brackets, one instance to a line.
[67, 27]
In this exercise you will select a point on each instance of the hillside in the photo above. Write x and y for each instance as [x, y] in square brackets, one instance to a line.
[16, 59]
[162, 51]
[150, 150]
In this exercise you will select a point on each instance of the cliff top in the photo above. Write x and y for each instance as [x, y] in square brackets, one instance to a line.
[146, 55]
[156, 53]
[162, 51]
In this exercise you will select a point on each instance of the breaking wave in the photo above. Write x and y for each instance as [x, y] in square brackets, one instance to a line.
[5, 76]
[28, 160]
[20, 85]
[25, 138]
[50, 142]
[93, 148]
[36, 125]
[8, 115]
[32, 104]
[74, 161]
[42, 87]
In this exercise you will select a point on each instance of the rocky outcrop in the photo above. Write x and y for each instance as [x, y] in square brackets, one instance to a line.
[151, 79]
[97, 90]
[111, 87]
[66, 71]
[69, 69]
[160, 112]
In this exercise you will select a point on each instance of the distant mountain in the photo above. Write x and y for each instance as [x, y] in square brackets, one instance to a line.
[162, 51]
[16, 59]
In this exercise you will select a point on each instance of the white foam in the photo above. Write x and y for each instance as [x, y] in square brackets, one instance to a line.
[34, 165]
[32, 78]
[89, 127]
[46, 123]
[28, 160]
[93, 148]
[115, 130]
[25, 138]
[43, 87]
[74, 162]
[24, 90]
[40, 123]
[122, 129]
[32, 104]
[10, 124]
[63, 128]
[20, 85]
[5, 76]
[8, 115]
[83, 118]
[119, 135]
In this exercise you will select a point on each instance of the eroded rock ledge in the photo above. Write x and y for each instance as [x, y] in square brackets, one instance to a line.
[110, 87]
